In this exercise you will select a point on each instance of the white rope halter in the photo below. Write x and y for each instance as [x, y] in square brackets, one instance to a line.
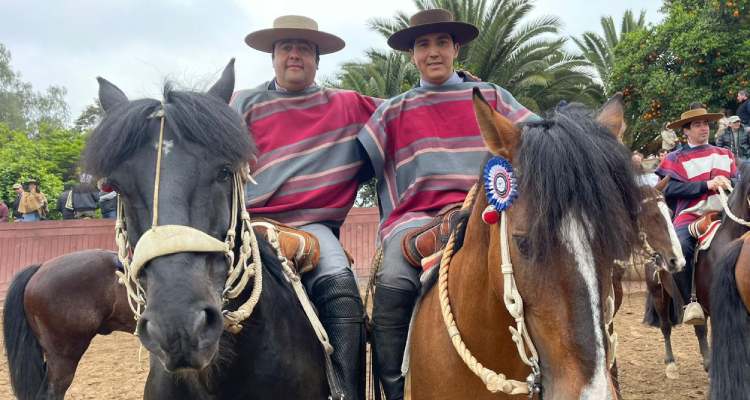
[161, 240]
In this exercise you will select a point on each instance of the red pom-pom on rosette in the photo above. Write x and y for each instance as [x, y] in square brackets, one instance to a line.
[106, 188]
[490, 215]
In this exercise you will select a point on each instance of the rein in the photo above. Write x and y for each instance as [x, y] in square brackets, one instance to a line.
[495, 382]
[728, 211]
[162, 240]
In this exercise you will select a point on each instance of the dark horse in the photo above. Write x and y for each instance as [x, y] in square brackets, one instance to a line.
[276, 354]
[664, 301]
[575, 213]
[730, 324]
[53, 311]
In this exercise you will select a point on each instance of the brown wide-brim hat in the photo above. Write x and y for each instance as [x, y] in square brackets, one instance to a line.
[294, 27]
[698, 114]
[432, 21]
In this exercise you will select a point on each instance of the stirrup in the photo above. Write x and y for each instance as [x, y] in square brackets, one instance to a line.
[693, 314]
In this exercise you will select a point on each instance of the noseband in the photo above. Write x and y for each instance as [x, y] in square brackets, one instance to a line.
[161, 240]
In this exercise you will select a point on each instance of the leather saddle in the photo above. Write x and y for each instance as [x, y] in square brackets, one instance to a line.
[424, 241]
[299, 247]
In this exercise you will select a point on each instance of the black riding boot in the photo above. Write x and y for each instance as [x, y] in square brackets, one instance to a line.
[391, 313]
[342, 314]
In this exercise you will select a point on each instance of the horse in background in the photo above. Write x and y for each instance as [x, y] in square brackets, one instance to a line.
[730, 324]
[664, 303]
[52, 312]
[575, 213]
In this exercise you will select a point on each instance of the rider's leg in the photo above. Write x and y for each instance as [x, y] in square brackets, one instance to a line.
[397, 285]
[684, 278]
[334, 292]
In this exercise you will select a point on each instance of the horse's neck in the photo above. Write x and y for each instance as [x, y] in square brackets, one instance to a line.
[473, 296]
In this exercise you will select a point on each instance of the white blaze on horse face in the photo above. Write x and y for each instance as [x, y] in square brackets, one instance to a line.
[574, 237]
[676, 247]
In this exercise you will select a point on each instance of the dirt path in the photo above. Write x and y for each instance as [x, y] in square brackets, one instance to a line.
[110, 369]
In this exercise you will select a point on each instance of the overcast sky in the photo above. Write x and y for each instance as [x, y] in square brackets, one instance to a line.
[137, 44]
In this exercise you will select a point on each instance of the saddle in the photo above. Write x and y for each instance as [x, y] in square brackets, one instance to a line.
[300, 248]
[419, 244]
[704, 228]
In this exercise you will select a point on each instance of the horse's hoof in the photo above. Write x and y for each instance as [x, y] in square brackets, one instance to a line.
[672, 372]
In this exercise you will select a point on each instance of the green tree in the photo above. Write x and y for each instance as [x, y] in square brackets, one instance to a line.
[700, 53]
[23, 108]
[524, 56]
[383, 75]
[599, 50]
[89, 117]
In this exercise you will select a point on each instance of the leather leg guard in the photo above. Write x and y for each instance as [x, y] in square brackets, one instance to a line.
[342, 314]
[391, 315]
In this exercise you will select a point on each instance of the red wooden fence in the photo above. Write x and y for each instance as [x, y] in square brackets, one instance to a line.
[23, 244]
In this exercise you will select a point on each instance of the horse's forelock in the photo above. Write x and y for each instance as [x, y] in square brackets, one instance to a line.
[571, 166]
[192, 116]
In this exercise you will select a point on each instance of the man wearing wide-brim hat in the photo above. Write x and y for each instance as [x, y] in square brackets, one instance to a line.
[426, 148]
[697, 171]
[308, 169]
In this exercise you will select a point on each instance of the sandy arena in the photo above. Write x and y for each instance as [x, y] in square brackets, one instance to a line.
[111, 370]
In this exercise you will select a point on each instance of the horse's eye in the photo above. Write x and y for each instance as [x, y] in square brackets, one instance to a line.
[224, 174]
[522, 242]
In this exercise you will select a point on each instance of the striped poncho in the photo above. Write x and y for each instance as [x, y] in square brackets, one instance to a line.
[690, 168]
[426, 149]
[309, 160]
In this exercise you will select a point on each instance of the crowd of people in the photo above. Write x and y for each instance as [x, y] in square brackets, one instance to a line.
[78, 201]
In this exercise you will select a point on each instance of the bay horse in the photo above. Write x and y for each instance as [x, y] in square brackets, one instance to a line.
[52, 312]
[664, 301]
[178, 167]
[730, 324]
[576, 212]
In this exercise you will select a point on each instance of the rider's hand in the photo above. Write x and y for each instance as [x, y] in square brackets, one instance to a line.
[719, 182]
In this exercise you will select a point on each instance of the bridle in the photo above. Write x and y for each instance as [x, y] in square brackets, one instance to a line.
[161, 240]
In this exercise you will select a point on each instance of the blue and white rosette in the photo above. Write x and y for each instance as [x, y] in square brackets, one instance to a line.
[499, 183]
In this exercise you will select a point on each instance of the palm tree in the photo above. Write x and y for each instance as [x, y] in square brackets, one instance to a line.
[383, 75]
[518, 55]
[599, 50]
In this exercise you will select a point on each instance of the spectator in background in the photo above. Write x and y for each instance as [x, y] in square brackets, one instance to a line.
[663, 154]
[669, 140]
[33, 203]
[736, 139]
[644, 178]
[65, 203]
[85, 198]
[723, 123]
[14, 207]
[107, 202]
[3, 211]
[743, 111]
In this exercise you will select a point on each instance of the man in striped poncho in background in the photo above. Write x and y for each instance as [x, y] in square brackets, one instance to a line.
[426, 150]
[308, 169]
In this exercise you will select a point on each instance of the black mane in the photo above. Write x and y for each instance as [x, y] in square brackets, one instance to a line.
[568, 163]
[196, 117]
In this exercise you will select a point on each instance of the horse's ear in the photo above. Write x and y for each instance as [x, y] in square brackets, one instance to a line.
[662, 184]
[612, 116]
[109, 94]
[224, 87]
[500, 135]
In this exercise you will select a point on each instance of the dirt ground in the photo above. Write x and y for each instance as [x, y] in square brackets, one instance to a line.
[111, 370]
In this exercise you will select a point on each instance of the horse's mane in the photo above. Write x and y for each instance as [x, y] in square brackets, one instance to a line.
[196, 117]
[570, 164]
[741, 189]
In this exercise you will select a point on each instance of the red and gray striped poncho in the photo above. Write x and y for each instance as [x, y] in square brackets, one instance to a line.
[426, 149]
[695, 165]
[308, 155]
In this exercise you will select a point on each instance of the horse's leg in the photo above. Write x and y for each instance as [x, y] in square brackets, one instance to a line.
[61, 370]
[701, 333]
[663, 303]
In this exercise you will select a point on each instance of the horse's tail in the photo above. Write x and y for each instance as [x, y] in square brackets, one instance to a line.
[25, 357]
[730, 325]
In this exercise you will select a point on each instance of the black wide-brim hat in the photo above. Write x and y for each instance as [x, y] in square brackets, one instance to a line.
[294, 27]
[432, 21]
